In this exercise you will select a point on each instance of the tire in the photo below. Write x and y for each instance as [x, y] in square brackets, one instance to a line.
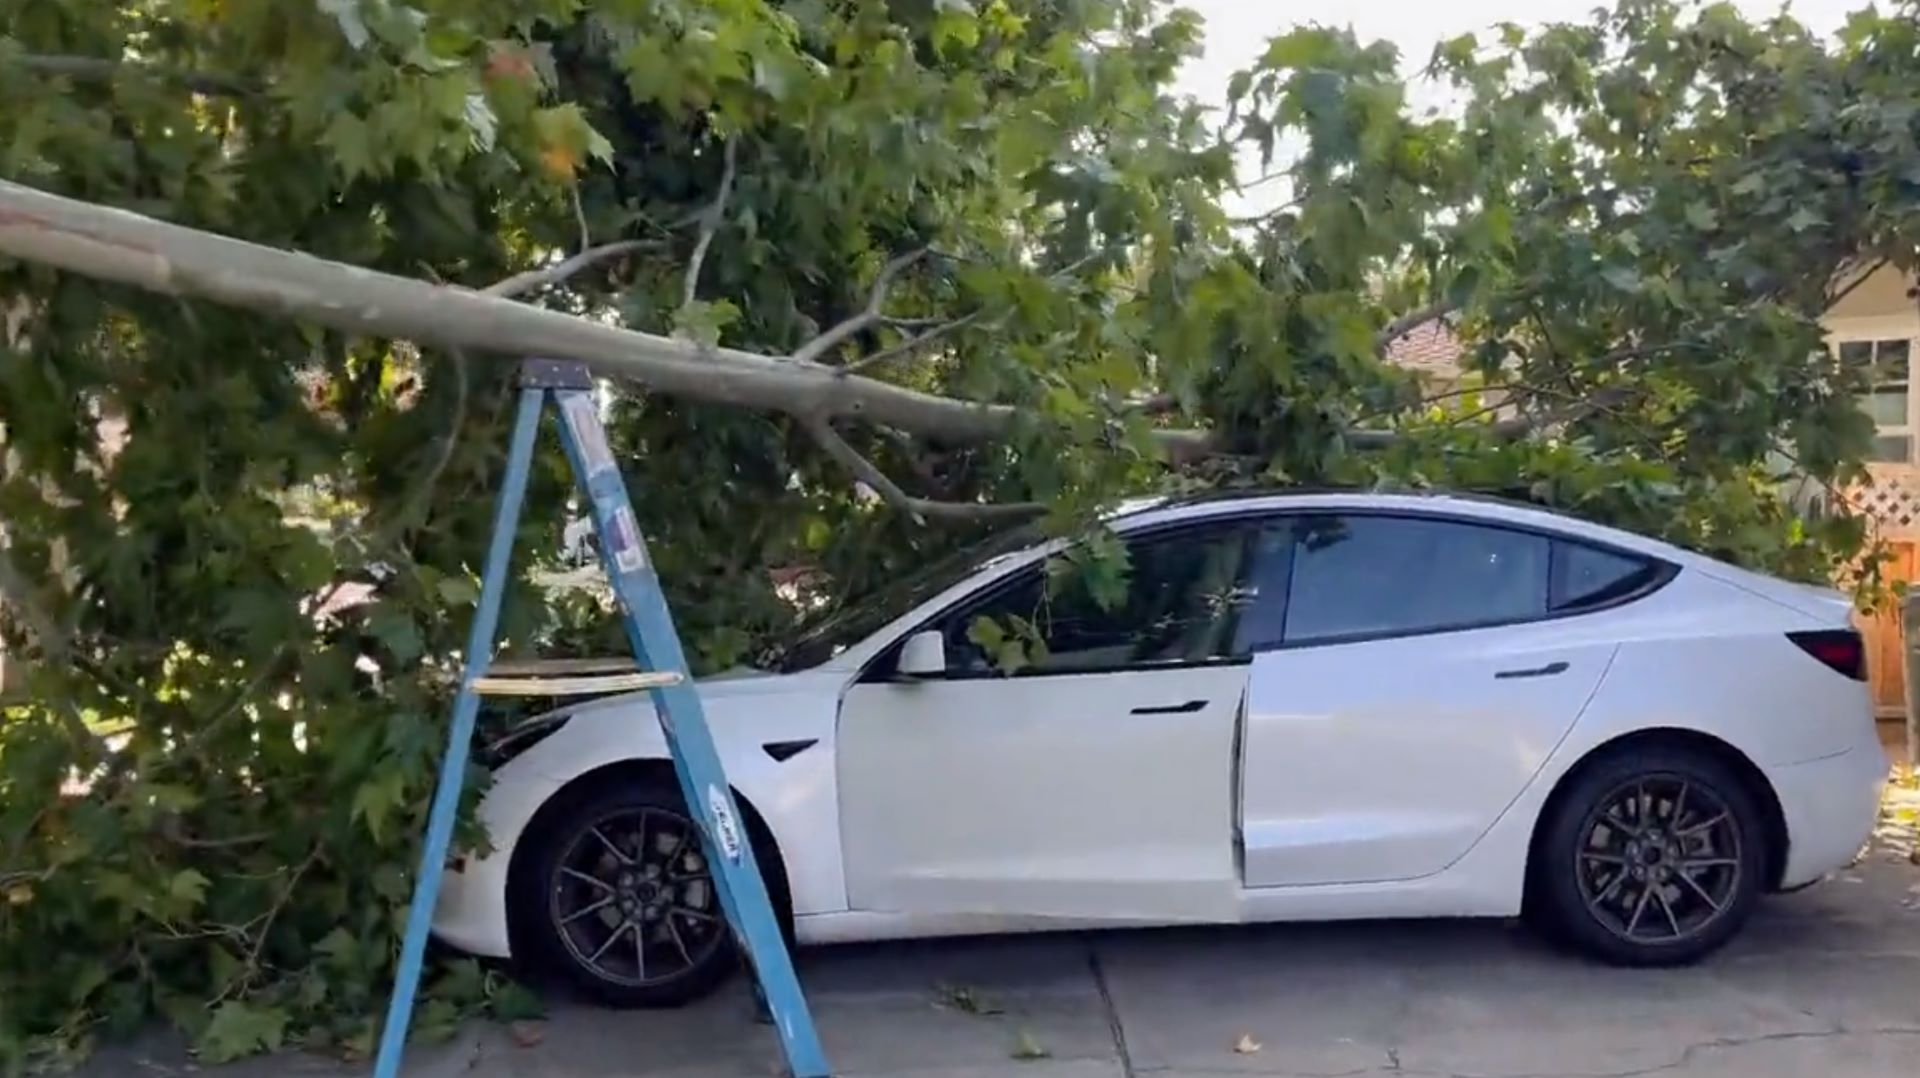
[618, 830]
[1690, 825]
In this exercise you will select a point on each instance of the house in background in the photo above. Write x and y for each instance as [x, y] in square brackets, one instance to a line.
[1877, 325]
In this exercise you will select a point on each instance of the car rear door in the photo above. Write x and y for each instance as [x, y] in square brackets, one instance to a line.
[1424, 670]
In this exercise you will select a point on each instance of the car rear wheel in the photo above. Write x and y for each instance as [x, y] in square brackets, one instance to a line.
[1653, 856]
[617, 896]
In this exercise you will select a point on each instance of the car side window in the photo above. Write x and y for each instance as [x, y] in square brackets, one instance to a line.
[1182, 601]
[1585, 578]
[1355, 576]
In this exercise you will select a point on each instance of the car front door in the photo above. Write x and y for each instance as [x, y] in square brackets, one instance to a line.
[1095, 781]
[1425, 670]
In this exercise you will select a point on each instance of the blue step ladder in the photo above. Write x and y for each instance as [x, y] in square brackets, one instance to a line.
[662, 671]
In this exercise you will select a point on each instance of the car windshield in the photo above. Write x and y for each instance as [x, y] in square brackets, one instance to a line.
[820, 638]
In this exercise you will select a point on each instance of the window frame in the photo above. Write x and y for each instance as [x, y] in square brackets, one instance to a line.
[1873, 334]
[1663, 573]
[882, 667]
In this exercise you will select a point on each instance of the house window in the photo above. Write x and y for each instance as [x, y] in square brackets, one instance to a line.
[1889, 398]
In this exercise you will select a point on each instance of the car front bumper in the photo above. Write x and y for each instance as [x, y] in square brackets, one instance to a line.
[471, 914]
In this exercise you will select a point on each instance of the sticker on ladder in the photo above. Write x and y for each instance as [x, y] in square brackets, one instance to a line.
[596, 455]
[624, 543]
[726, 834]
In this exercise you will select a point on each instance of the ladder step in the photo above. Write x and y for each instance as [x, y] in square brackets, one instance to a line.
[611, 664]
[569, 677]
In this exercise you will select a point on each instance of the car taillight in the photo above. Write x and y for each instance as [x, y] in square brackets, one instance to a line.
[1841, 650]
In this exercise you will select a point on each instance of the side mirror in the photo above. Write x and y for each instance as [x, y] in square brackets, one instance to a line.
[924, 655]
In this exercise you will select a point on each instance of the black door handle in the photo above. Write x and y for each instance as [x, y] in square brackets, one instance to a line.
[1539, 671]
[1172, 709]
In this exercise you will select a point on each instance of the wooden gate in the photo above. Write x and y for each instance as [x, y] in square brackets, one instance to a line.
[1891, 499]
[1886, 665]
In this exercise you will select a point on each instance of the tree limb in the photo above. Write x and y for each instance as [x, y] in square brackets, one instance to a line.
[919, 508]
[128, 248]
[710, 221]
[532, 280]
[98, 69]
[913, 343]
[872, 315]
[1411, 321]
[1834, 298]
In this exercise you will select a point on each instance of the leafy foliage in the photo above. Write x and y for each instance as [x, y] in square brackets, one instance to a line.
[209, 797]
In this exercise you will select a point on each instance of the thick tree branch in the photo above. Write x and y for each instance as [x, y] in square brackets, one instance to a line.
[1840, 293]
[560, 272]
[913, 343]
[873, 314]
[97, 69]
[128, 248]
[1411, 321]
[710, 221]
[920, 508]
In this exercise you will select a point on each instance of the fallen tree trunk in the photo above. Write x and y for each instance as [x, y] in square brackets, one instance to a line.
[124, 247]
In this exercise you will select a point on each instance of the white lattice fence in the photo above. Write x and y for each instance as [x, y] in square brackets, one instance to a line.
[1892, 498]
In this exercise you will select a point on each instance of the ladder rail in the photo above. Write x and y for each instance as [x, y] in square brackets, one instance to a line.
[696, 761]
[453, 765]
[658, 667]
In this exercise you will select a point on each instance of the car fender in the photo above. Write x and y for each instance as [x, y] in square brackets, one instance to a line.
[775, 738]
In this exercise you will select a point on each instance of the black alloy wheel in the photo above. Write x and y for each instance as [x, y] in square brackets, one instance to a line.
[632, 900]
[1650, 855]
[614, 892]
[1659, 859]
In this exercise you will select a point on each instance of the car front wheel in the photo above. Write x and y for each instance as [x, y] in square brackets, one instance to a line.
[1653, 857]
[617, 896]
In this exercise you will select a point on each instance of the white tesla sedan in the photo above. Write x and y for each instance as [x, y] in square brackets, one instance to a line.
[1321, 706]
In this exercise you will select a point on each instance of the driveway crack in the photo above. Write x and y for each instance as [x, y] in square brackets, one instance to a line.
[1114, 1025]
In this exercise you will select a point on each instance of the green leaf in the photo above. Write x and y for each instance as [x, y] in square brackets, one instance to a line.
[394, 627]
[340, 948]
[955, 25]
[377, 799]
[514, 1002]
[705, 322]
[1804, 219]
[350, 141]
[1701, 216]
[1465, 285]
[986, 633]
[1624, 278]
[240, 1029]
[188, 886]
[460, 591]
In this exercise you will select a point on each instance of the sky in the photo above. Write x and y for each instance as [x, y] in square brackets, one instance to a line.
[1237, 31]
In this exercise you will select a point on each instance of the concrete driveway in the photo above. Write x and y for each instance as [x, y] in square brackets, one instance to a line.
[1826, 981]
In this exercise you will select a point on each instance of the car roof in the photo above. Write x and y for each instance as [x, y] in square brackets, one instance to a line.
[1493, 508]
